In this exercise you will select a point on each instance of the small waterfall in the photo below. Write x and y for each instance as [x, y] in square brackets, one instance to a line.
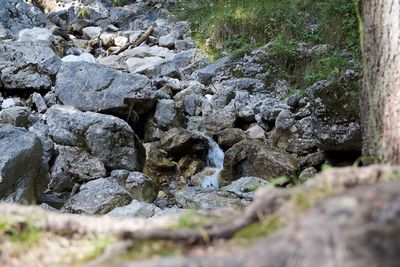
[215, 156]
[215, 159]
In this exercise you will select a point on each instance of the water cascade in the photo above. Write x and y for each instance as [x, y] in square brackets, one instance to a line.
[215, 159]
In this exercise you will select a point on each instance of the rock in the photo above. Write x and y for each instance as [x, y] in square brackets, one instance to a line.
[134, 209]
[25, 65]
[198, 178]
[156, 66]
[245, 187]
[119, 177]
[189, 166]
[337, 114]
[8, 103]
[284, 120]
[230, 136]
[73, 165]
[108, 138]
[121, 40]
[167, 40]
[193, 104]
[182, 45]
[82, 57]
[169, 212]
[39, 102]
[23, 175]
[307, 174]
[42, 131]
[141, 187]
[34, 34]
[315, 159]
[167, 115]
[179, 142]
[20, 15]
[159, 167]
[107, 39]
[145, 51]
[254, 158]
[255, 132]
[92, 32]
[198, 198]
[99, 196]
[106, 89]
[206, 74]
[17, 116]
[219, 120]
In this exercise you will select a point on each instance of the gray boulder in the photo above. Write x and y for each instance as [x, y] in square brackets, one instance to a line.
[245, 187]
[108, 138]
[206, 74]
[203, 199]
[167, 114]
[134, 209]
[18, 15]
[17, 116]
[141, 187]
[23, 174]
[73, 165]
[98, 197]
[255, 158]
[26, 65]
[93, 87]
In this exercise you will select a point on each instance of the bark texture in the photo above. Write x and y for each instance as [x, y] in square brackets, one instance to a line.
[381, 83]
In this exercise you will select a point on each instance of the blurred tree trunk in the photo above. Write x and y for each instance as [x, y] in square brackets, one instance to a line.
[380, 96]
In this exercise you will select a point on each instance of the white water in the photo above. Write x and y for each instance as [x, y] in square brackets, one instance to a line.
[215, 159]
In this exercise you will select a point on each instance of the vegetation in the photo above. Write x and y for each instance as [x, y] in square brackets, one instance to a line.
[22, 233]
[121, 2]
[237, 26]
[260, 229]
[84, 13]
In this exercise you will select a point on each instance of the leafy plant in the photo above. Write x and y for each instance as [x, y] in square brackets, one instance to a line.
[84, 13]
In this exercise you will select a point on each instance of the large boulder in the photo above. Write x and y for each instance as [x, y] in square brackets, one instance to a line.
[178, 142]
[167, 114]
[254, 158]
[27, 65]
[98, 197]
[73, 165]
[204, 199]
[105, 137]
[18, 15]
[135, 209]
[23, 174]
[94, 87]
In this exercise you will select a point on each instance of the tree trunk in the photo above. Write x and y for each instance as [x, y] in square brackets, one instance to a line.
[381, 83]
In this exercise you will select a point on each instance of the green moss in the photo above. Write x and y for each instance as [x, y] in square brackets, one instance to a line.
[259, 230]
[144, 249]
[99, 244]
[21, 233]
[193, 219]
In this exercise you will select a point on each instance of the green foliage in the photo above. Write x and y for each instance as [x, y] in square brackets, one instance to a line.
[99, 244]
[325, 67]
[22, 233]
[84, 13]
[121, 2]
[259, 230]
[238, 26]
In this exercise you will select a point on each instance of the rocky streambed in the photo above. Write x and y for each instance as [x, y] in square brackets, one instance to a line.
[114, 110]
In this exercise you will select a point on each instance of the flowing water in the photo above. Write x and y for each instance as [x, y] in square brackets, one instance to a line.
[215, 159]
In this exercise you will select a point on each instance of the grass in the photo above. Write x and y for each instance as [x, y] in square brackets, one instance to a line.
[23, 234]
[238, 26]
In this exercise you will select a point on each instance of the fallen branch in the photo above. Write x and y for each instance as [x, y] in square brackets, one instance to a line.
[135, 43]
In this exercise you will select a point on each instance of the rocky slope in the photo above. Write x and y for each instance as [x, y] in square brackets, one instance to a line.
[113, 110]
